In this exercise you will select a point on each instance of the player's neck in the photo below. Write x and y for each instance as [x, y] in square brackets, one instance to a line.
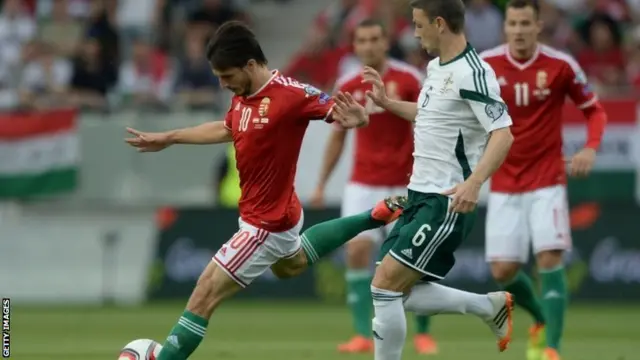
[523, 55]
[262, 77]
[451, 47]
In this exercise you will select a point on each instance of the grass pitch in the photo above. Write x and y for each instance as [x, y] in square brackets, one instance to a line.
[292, 331]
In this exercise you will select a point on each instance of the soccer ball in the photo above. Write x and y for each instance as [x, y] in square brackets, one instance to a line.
[141, 349]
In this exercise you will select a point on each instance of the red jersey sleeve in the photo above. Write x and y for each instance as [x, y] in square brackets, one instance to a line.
[315, 104]
[578, 89]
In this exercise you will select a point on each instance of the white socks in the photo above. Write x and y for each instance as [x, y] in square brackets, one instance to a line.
[389, 324]
[431, 299]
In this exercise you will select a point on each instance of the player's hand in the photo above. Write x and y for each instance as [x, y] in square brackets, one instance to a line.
[148, 142]
[348, 112]
[581, 163]
[378, 94]
[317, 198]
[465, 196]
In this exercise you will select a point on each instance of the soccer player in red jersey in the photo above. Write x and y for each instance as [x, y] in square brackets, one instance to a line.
[528, 199]
[383, 160]
[266, 122]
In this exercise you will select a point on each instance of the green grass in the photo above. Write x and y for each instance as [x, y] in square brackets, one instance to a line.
[292, 331]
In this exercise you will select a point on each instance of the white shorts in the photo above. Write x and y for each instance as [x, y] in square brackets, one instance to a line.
[251, 251]
[359, 198]
[516, 222]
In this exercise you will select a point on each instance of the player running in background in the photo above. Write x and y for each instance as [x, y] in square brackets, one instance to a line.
[528, 200]
[266, 122]
[461, 137]
[382, 163]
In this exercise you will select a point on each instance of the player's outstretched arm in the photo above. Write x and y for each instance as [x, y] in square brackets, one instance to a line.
[207, 133]
[332, 154]
[404, 109]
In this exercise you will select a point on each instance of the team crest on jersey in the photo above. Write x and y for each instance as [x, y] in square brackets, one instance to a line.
[495, 110]
[542, 84]
[447, 83]
[263, 109]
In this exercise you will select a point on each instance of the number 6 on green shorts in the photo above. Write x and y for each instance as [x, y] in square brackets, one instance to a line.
[427, 234]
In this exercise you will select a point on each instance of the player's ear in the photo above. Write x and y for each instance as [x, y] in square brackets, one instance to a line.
[251, 65]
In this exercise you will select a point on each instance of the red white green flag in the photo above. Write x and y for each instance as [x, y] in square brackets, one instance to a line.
[39, 153]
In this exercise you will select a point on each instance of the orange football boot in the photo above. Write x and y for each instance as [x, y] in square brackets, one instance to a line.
[357, 345]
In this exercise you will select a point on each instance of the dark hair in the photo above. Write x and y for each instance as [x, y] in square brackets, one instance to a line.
[232, 46]
[523, 4]
[368, 23]
[452, 11]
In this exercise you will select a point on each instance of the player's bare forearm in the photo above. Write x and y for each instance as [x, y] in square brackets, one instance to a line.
[207, 133]
[331, 156]
[404, 109]
[497, 149]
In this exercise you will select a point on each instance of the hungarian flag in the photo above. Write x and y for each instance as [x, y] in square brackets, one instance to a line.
[39, 153]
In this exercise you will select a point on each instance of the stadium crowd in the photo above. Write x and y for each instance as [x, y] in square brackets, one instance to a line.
[603, 35]
[95, 54]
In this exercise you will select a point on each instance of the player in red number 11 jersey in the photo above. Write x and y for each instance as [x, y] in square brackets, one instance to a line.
[527, 202]
[266, 122]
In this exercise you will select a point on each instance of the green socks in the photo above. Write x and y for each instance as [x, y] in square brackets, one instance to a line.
[322, 239]
[554, 303]
[359, 300]
[422, 324]
[184, 338]
[525, 296]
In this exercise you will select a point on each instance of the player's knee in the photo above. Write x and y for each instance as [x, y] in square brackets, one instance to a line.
[358, 252]
[503, 272]
[212, 288]
[289, 268]
[394, 276]
[549, 259]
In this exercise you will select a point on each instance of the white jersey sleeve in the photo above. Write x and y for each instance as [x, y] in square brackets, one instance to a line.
[480, 89]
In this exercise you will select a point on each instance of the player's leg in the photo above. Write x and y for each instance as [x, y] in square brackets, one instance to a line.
[242, 259]
[422, 245]
[423, 342]
[324, 238]
[356, 199]
[507, 247]
[549, 219]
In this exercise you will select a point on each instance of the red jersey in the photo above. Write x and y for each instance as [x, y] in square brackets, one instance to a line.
[384, 150]
[535, 93]
[267, 128]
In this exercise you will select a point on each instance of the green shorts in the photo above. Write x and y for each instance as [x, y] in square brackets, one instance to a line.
[426, 235]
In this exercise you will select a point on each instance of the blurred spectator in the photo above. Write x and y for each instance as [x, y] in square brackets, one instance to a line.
[8, 94]
[61, 30]
[197, 86]
[137, 19]
[146, 80]
[483, 24]
[214, 13]
[318, 62]
[603, 60]
[634, 59]
[45, 78]
[556, 30]
[101, 26]
[77, 9]
[341, 17]
[16, 28]
[92, 77]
